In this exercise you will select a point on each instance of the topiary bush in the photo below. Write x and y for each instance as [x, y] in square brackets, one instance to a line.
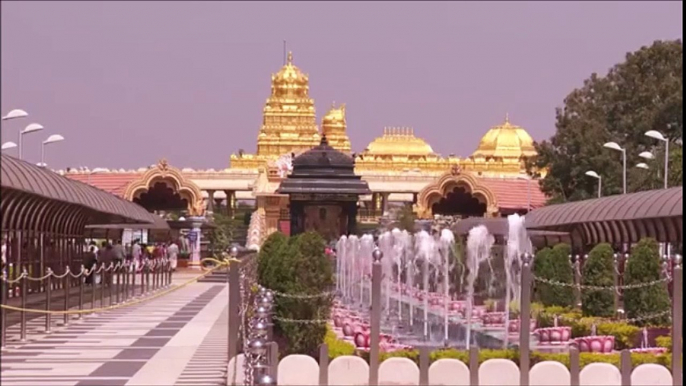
[553, 264]
[297, 265]
[598, 271]
[644, 266]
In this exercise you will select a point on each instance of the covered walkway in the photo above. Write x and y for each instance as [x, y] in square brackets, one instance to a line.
[620, 219]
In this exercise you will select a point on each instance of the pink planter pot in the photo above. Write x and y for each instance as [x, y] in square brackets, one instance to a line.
[553, 335]
[603, 344]
[493, 318]
[514, 325]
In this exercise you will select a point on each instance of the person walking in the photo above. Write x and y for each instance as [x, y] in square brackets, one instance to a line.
[173, 254]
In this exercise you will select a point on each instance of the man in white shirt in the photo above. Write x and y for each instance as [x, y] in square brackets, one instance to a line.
[136, 253]
[173, 254]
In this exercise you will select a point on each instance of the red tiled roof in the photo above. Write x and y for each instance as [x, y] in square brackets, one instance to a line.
[514, 193]
[114, 183]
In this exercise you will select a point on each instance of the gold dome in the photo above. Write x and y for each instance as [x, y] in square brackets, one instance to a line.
[506, 141]
[290, 80]
[399, 141]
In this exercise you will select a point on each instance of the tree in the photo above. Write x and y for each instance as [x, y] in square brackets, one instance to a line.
[406, 219]
[221, 237]
[297, 265]
[598, 271]
[644, 266]
[553, 264]
[642, 93]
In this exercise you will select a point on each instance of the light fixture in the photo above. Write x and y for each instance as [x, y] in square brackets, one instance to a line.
[51, 139]
[8, 145]
[657, 135]
[16, 113]
[642, 166]
[595, 175]
[647, 155]
[615, 146]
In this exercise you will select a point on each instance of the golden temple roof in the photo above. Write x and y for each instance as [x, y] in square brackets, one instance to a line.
[290, 79]
[334, 127]
[506, 141]
[399, 141]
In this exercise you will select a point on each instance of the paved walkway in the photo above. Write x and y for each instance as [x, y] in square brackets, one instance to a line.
[179, 338]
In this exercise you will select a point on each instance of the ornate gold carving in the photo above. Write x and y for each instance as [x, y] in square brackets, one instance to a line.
[163, 165]
[334, 127]
[507, 142]
[440, 188]
[456, 170]
[198, 208]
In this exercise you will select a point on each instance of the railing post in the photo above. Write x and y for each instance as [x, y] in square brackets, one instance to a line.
[133, 280]
[103, 282]
[147, 277]
[234, 304]
[3, 315]
[82, 285]
[375, 322]
[574, 366]
[117, 272]
[48, 300]
[625, 367]
[524, 321]
[677, 322]
[324, 365]
[66, 295]
[24, 290]
[94, 286]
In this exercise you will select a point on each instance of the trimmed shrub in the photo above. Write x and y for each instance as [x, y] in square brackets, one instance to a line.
[598, 271]
[297, 265]
[336, 346]
[553, 264]
[644, 266]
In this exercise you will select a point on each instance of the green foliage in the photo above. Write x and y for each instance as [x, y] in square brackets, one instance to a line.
[644, 266]
[336, 346]
[625, 334]
[406, 219]
[664, 341]
[535, 357]
[222, 235]
[598, 271]
[553, 264]
[645, 92]
[297, 265]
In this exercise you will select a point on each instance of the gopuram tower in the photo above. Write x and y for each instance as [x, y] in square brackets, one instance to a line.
[334, 128]
[289, 123]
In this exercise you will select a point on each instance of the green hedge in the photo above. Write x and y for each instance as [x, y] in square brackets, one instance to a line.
[644, 266]
[553, 264]
[598, 271]
[297, 265]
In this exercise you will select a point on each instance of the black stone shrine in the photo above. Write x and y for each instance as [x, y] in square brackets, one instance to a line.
[324, 191]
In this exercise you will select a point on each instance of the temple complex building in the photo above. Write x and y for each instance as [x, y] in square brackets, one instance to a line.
[398, 166]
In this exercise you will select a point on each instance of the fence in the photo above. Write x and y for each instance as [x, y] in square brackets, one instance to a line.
[113, 286]
[258, 363]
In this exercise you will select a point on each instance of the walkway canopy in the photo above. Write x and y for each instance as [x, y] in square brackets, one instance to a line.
[37, 199]
[617, 219]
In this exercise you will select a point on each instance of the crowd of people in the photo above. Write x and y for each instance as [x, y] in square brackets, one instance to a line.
[135, 254]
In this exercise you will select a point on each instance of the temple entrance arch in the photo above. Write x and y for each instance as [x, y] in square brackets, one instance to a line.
[164, 188]
[456, 194]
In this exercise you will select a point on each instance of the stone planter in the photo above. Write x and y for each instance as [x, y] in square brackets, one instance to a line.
[602, 344]
[553, 335]
[493, 319]
[514, 325]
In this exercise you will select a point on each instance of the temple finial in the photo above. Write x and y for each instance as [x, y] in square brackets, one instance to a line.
[289, 58]
[507, 118]
[324, 141]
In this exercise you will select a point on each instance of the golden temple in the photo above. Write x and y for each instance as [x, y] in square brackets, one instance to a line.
[399, 166]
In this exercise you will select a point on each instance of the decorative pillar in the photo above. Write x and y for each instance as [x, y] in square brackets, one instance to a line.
[414, 198]
[230, 201]
[384, 202]
[376, 201]
[194, 240]
[210, 201]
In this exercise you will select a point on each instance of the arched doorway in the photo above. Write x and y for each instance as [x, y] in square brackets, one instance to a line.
[456, 194]
[164, 189]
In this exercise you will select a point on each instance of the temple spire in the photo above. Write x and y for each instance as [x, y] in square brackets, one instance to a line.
[289, 58]
[507, 118]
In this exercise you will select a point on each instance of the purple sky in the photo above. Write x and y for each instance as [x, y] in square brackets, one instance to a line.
[130, 82]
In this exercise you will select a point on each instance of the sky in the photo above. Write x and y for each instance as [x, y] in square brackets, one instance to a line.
[128, 83]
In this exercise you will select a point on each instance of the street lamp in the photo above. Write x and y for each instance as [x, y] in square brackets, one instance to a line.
[647, 155]
[31, 128]
[642, 166]
[657, 135]
[615, 146]
[528, 191]
[595, 175]
[14, 114]
[51, 139]
[8, 145]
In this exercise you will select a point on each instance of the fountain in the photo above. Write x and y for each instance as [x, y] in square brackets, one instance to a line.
[340, 263]
[352, 251]
[479, 244]
[426, 251]
[363, 257]
[386, 247]
[445, 248]
[517, 244]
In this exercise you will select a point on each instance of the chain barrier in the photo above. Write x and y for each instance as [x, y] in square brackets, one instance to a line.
[601, 288]
[641, 318]
[114, 306]
[300, 321]
[304, 296]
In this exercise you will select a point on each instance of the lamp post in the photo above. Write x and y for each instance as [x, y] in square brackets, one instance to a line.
[14, 114]
[31, 128]
[615, 146]
[528, 191]
[8, 145]
[657, 135]
[51, 139]
[595, 175]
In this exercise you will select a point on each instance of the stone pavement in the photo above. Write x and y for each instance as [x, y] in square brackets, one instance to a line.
[179, 338]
